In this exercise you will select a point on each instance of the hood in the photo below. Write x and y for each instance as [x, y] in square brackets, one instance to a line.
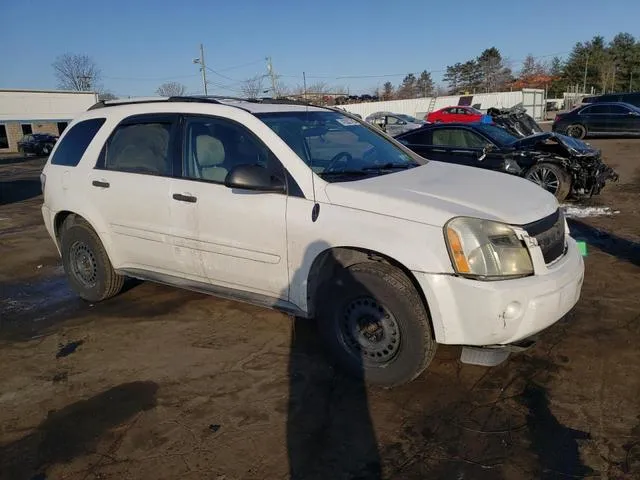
[436, 192]
[572, 146]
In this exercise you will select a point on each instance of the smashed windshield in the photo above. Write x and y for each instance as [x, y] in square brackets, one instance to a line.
[337, 147]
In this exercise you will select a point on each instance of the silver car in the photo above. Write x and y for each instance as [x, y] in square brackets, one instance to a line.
[394, 123]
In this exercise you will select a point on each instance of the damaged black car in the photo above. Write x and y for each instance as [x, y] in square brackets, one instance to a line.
[565, 166]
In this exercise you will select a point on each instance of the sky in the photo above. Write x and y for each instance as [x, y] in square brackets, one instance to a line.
[140, 44]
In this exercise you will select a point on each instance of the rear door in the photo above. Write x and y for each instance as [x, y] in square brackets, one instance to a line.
[131, 185]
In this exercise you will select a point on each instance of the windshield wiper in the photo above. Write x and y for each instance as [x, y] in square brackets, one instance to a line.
[345, 173]
[391, 166]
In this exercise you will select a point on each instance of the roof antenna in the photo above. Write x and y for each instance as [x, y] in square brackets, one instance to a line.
[315, 211]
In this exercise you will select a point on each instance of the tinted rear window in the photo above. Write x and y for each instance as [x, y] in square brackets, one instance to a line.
[75, 142]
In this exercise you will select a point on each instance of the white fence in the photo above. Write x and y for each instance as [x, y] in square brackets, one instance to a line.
[28, 105]
[532, 99]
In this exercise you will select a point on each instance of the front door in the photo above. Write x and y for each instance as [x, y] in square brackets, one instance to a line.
[228, 237]
[463, 146]
[130, 187]
[623, 120]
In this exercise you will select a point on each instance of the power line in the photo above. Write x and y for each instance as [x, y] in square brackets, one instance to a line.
[147, 79]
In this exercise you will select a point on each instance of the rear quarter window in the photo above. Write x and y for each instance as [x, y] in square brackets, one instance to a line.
[73, 145]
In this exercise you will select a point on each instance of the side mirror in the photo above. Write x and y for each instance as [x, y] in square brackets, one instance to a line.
[253, 177]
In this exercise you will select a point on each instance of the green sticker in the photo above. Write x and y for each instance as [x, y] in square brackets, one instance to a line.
[582, 248]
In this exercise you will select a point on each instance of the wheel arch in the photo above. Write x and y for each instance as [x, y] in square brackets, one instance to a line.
[327, 262]
[59, 220]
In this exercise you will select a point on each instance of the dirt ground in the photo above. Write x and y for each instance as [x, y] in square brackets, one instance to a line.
[160, 383]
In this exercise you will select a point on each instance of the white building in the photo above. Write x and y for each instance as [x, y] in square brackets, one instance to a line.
[38, 111]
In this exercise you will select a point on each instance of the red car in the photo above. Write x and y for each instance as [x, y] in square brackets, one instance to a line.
[454, 114]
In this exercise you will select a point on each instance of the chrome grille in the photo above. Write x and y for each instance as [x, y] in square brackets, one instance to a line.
[549, 232]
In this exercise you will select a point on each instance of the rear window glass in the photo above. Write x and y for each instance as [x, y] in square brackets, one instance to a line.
[75, 142]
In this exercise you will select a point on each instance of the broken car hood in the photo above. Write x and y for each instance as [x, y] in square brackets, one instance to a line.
[436, 192]
[572, 145]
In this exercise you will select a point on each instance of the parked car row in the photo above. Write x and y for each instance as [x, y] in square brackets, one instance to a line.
[599, 118]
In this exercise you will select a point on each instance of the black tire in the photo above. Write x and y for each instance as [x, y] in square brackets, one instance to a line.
[577, 130]
[86, 263]
[552, 178]
[403, 344]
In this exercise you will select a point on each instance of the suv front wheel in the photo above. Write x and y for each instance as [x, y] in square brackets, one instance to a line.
[375, 324]
[86, 263]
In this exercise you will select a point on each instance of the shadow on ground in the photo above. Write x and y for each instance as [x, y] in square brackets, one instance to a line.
[19, 190]
[613, 245]
[74, 430]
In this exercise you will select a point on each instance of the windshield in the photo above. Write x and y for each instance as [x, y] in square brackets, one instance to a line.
[337, 147]
[498, 134]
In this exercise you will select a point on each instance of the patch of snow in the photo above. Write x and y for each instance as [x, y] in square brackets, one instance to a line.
[577, 211]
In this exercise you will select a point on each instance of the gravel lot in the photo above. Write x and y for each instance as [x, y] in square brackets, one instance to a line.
[162, 383]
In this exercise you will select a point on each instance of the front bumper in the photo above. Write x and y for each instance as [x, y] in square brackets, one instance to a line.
[472, 312]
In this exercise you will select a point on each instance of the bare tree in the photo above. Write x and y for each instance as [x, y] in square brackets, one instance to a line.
[253, 87]
[104, 96]
[76, 72]
[171, 89]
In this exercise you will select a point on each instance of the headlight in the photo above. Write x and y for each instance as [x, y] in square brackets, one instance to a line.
[511, 166]
[486, 250]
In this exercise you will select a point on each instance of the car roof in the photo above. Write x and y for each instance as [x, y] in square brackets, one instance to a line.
[252, 106]
[621, 104]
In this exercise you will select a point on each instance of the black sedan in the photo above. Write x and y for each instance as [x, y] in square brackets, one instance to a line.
[602, 118]
[37, 143]
[562, 165]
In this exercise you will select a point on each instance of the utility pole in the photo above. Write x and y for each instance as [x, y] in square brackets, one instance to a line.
[203, 68]
[272, 74]
[584, 83]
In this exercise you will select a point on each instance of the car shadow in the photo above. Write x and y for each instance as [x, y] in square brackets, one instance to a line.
[18, 159]
[75, 430]
[329, 429]
[19, 190]
[612, 244]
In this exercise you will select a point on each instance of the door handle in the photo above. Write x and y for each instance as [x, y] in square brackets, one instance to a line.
[461, 151]
[441, 150]
[101, 184]
[184, 198]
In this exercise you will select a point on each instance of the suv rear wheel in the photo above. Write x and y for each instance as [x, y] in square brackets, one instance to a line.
[375, 324]
[86, 263]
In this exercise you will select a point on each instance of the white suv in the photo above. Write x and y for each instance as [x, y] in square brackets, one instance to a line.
[311, 211]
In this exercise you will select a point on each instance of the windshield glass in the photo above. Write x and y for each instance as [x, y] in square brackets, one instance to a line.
[337, 147]
[498, 134]
[407, 118]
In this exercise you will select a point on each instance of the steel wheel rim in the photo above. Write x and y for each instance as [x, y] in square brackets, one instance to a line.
[83, 264]
[369, 331]
[546, 178]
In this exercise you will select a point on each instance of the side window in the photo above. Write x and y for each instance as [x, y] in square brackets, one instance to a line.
[214, 146]
[595, 110]
[392, 120]
[140, 148]
[473, 140]
[74, 143]
[417, 138]
[618, 110]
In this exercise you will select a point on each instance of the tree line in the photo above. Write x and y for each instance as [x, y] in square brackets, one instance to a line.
[595, 65]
